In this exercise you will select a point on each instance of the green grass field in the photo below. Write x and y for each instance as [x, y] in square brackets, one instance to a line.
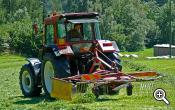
[11, 97]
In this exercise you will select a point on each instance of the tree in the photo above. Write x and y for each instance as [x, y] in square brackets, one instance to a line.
[133, 24]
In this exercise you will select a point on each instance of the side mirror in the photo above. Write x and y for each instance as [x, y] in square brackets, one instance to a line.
[35, 28]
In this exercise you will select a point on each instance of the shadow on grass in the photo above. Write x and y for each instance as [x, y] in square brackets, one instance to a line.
[105, 99]
[112, 99]
[33, 100]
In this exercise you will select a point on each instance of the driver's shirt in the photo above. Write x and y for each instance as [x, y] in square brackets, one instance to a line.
[74, 34]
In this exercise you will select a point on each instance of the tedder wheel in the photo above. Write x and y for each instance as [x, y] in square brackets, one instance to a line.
[129, 89]
[27, 82]
[53, 67]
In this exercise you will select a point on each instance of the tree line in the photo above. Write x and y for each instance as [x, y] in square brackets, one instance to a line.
[133, 24]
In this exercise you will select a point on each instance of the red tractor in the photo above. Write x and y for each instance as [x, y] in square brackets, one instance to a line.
[73, 52]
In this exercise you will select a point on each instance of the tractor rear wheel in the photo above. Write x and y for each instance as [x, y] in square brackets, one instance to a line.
[53, 67]
[113, 58]
[27, 82]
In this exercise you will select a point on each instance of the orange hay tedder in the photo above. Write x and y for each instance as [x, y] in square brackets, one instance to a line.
[73, 56]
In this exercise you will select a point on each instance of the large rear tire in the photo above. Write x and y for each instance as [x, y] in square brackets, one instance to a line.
[53, 67]
[27, 82]
[113, 58]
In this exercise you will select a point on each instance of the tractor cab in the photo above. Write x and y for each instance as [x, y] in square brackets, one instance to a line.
[71, 29]
[82, 30]
[76, 36]
[82, 33]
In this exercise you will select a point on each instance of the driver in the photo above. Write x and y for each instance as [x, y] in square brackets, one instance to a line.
[75, 33]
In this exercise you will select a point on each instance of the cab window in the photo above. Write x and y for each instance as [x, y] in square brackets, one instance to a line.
[97, 31]
[49, 35]
[88, 31]
[61, 30]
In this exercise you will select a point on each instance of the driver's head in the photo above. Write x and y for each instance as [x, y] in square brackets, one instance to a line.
[77, 26]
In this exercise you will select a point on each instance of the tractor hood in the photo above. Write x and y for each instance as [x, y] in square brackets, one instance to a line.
[108, 46]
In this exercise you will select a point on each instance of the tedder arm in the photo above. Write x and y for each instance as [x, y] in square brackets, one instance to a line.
[103, 81]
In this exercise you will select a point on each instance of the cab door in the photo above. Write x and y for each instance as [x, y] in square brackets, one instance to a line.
[49, 34]
[61, 34]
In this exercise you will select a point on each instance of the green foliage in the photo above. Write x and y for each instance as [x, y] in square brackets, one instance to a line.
[11, 97]
[20, 36]
[133, 24]
[16, 19]
[121, 40]
[84, 98]
[87, 97]
[4, 38]
[141, 22]
[136, 66]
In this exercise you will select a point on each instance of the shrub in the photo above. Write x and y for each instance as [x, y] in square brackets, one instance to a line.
[4, 37]
[21, 39]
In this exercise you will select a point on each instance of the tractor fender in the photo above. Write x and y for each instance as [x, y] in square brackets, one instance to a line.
[108, 46]
[35, 64]
[58, 52]
[52, 49]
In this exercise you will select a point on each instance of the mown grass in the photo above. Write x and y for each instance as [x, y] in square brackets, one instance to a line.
[142, 98]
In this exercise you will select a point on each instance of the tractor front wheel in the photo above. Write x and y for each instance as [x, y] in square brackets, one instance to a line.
[27, 82]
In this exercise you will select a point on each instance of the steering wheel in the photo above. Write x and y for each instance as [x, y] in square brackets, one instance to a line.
[87, 55]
